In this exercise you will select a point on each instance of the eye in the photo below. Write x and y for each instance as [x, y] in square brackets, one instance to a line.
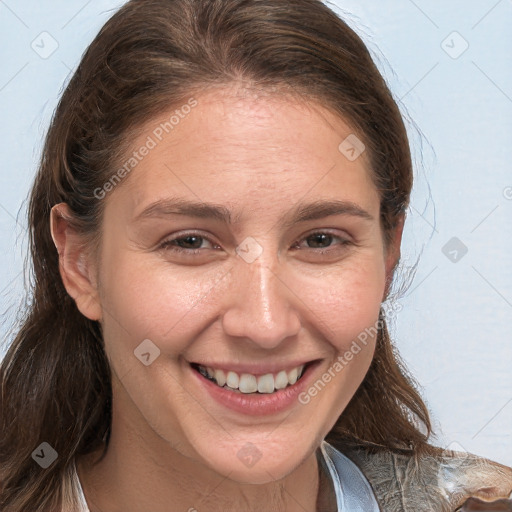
[323, 238]
[175, 244]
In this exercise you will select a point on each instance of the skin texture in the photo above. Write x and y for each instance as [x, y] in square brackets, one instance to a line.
[172, 447]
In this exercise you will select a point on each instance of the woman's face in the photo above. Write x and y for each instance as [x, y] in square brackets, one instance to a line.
[267, 286]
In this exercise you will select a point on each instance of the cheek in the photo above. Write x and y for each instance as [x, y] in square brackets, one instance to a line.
[145, 298]
[346, 308]
[346, 300]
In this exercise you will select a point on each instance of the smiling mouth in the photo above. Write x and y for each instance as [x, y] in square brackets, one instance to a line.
[248, 383]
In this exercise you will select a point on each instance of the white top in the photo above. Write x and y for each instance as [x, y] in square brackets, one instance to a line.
[353, 491]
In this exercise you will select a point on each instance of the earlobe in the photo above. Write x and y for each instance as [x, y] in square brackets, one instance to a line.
[75, 267]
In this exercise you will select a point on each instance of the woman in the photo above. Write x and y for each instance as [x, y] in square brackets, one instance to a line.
[151, 375]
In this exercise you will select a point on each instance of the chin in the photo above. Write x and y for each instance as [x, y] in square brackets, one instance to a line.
[245, 463]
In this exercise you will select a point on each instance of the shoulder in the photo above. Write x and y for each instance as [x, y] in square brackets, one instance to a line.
[438, 479]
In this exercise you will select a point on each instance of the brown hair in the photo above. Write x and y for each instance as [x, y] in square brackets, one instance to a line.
[151, 55]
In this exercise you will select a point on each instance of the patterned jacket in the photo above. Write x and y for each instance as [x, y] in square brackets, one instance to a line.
[404, 483]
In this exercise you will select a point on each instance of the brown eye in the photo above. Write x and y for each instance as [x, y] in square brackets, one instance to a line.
[320, 238]
[322, 241]
[182, 244]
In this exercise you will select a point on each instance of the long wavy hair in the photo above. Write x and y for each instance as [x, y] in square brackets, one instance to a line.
[150, 56]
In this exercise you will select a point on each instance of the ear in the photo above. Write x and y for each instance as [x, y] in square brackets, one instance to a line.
[392, 255]
[75, 265]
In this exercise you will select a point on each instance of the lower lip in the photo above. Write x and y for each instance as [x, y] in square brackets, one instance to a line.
[258, 404]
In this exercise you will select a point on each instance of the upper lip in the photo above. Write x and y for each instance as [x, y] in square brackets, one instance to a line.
[255, 368]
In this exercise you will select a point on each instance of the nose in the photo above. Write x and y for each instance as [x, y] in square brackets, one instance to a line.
[262, 308]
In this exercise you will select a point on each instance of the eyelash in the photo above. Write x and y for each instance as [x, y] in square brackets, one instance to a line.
[168, 244]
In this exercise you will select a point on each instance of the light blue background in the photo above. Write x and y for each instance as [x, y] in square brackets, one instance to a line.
[454, 330]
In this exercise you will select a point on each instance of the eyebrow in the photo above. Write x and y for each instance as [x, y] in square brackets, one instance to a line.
[301, 213]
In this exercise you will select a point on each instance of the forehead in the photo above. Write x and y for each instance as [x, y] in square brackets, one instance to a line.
[258, 150]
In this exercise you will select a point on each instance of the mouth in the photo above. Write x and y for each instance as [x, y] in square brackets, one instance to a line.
[246, 383]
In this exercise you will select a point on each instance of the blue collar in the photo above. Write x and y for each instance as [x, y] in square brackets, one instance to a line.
[353, 491]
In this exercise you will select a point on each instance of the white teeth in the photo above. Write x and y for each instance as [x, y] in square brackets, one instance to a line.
[220, 377]
[247, 383]
[292, 376]
[266, 383]
[232, 380]
[281, 380]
